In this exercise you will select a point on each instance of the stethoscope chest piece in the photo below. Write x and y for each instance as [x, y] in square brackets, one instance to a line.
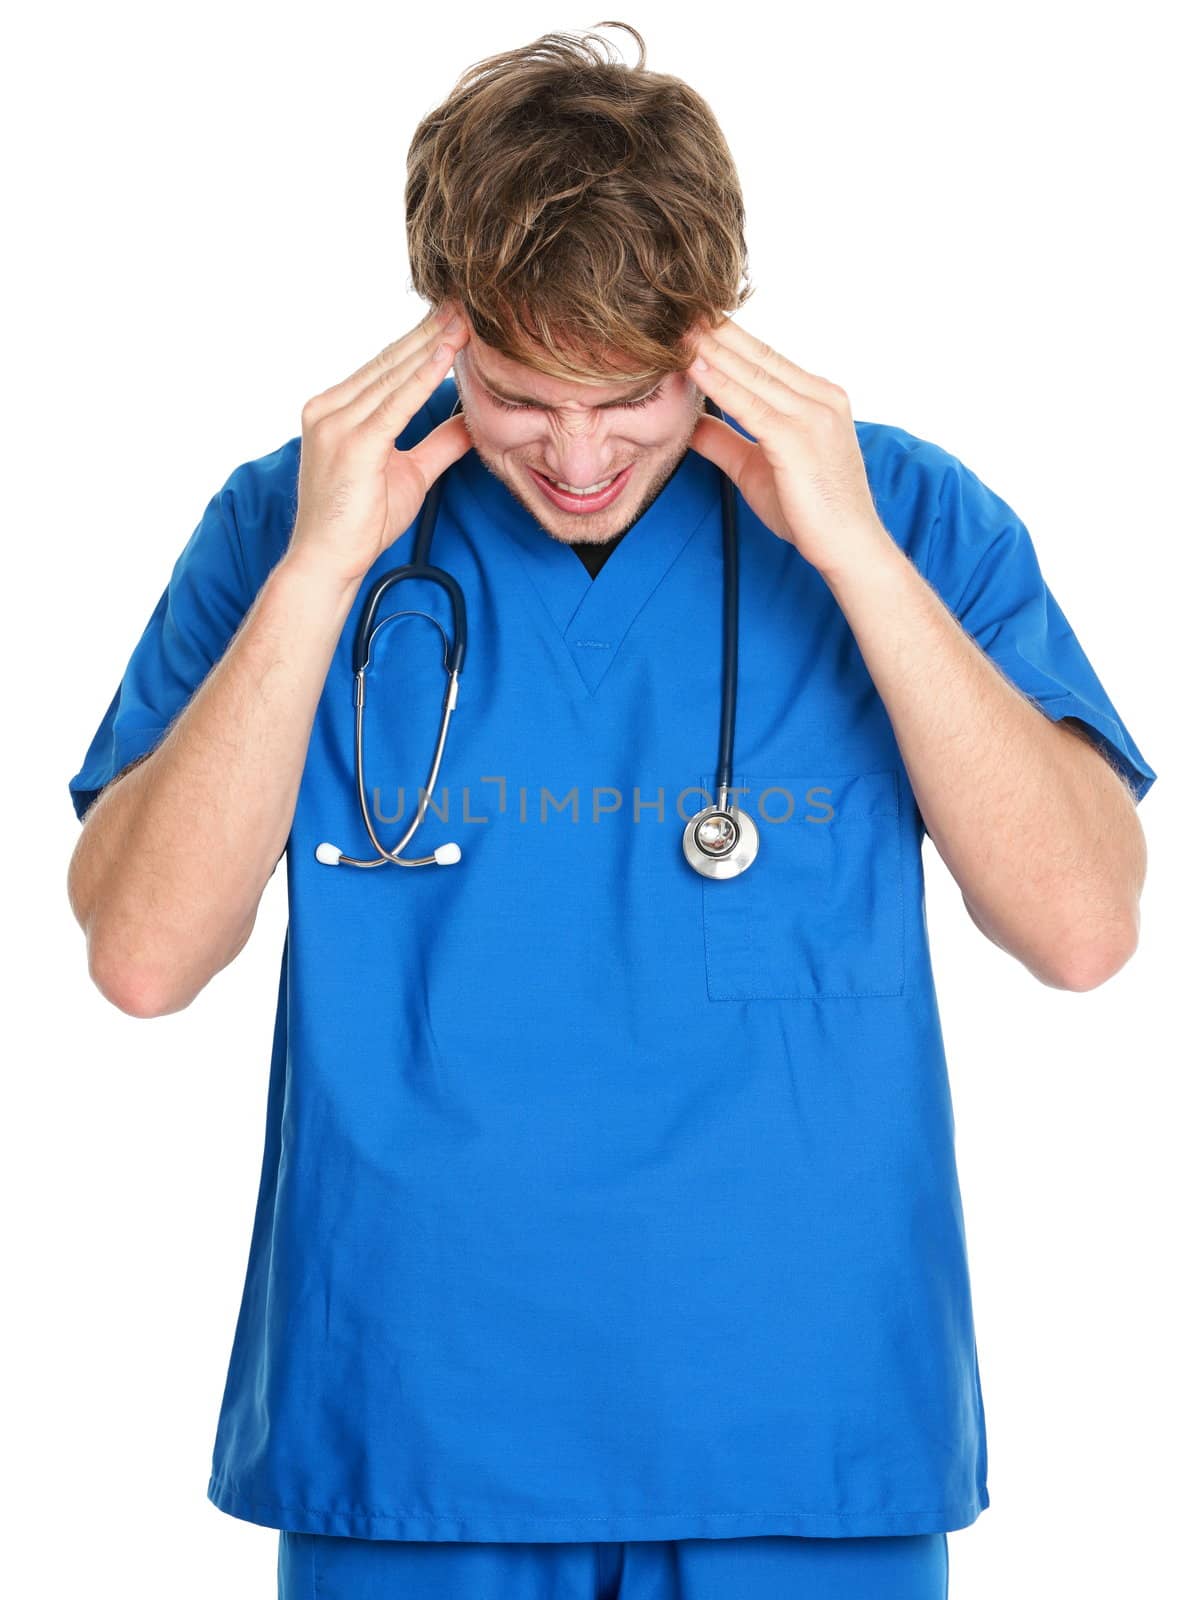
[720, 841]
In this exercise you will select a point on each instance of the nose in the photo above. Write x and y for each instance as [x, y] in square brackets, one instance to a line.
[579, 450]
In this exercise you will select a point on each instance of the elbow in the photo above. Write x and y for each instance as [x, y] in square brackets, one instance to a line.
[135, 992]
[1092, 965]
[1109, 923]
[136, 988]
[142, 987]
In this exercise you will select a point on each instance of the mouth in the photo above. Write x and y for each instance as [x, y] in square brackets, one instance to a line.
[568, 500]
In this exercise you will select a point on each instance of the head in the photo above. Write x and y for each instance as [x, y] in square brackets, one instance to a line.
[586, 218]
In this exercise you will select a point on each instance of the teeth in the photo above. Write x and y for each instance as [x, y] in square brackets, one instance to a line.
[592, 488]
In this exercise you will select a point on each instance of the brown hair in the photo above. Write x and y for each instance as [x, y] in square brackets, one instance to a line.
[584, 212]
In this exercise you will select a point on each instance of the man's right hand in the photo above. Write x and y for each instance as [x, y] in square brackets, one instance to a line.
[357, 492]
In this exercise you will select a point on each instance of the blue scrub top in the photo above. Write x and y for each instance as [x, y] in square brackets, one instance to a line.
[600, 1200]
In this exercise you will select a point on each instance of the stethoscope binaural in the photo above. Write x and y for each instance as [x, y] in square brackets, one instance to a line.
[719, 841]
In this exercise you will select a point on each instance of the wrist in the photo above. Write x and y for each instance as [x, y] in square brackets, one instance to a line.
[314, 576]
[869, 558]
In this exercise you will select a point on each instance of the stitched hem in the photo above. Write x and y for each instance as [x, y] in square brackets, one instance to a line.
[492, 1526]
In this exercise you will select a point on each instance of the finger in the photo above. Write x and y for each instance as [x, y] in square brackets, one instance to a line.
[730, 335]
[753, 391]
[343, 393]
[391, 399]
[752, 409]
[429, 327]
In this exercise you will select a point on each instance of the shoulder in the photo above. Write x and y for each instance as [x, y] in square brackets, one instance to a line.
[931, 502]
[258, 502]
[901, 464]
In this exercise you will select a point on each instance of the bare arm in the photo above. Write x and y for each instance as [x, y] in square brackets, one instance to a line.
[1037, 828]
[169, 870]
[174, 855]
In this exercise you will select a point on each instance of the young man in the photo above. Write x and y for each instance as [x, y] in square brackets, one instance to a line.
[609, 1238]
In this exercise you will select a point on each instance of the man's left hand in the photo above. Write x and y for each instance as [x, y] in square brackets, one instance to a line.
[803, 473]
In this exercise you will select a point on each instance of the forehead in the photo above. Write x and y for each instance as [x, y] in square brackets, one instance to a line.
[509, 380]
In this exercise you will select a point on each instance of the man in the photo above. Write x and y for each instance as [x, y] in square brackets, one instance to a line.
[609, 1238]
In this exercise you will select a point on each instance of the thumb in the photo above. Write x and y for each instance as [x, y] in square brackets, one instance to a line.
[440, 448]
[720, 443]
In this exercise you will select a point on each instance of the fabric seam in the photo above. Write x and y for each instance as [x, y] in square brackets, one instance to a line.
[459, 1516]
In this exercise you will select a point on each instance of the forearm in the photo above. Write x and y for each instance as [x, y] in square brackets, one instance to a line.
[1039, 833]
[170, 867]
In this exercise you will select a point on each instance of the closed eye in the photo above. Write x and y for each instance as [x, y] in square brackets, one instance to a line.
[623, 405]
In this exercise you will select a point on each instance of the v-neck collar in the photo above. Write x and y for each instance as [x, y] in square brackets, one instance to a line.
[592, 616]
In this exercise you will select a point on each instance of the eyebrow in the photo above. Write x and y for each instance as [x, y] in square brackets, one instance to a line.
[532, 400]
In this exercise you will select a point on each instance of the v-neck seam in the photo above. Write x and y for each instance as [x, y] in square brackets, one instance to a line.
[616, 605]
[613, 646]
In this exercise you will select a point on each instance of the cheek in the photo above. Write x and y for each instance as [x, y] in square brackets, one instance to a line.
[664, 428]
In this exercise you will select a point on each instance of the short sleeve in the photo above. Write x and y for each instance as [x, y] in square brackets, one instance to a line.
[197, 614]
[978, 554]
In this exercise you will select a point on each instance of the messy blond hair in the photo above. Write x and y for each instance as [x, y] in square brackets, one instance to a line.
[585, 212]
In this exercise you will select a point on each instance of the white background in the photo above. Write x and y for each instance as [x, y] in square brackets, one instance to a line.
[976, 220]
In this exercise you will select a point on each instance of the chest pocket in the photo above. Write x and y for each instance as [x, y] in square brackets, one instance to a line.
[819, 913]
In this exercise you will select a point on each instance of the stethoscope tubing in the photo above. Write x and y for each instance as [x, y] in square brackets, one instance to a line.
[455, 656]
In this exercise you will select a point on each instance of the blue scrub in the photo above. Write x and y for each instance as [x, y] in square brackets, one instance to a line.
[911, 1566]
[600, 1201]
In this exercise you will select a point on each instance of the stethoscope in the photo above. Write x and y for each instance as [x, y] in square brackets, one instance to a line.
[719, 842]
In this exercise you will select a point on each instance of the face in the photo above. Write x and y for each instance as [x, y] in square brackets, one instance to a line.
[578, 434]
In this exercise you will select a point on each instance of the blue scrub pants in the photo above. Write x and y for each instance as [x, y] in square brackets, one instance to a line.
[315, 1566]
